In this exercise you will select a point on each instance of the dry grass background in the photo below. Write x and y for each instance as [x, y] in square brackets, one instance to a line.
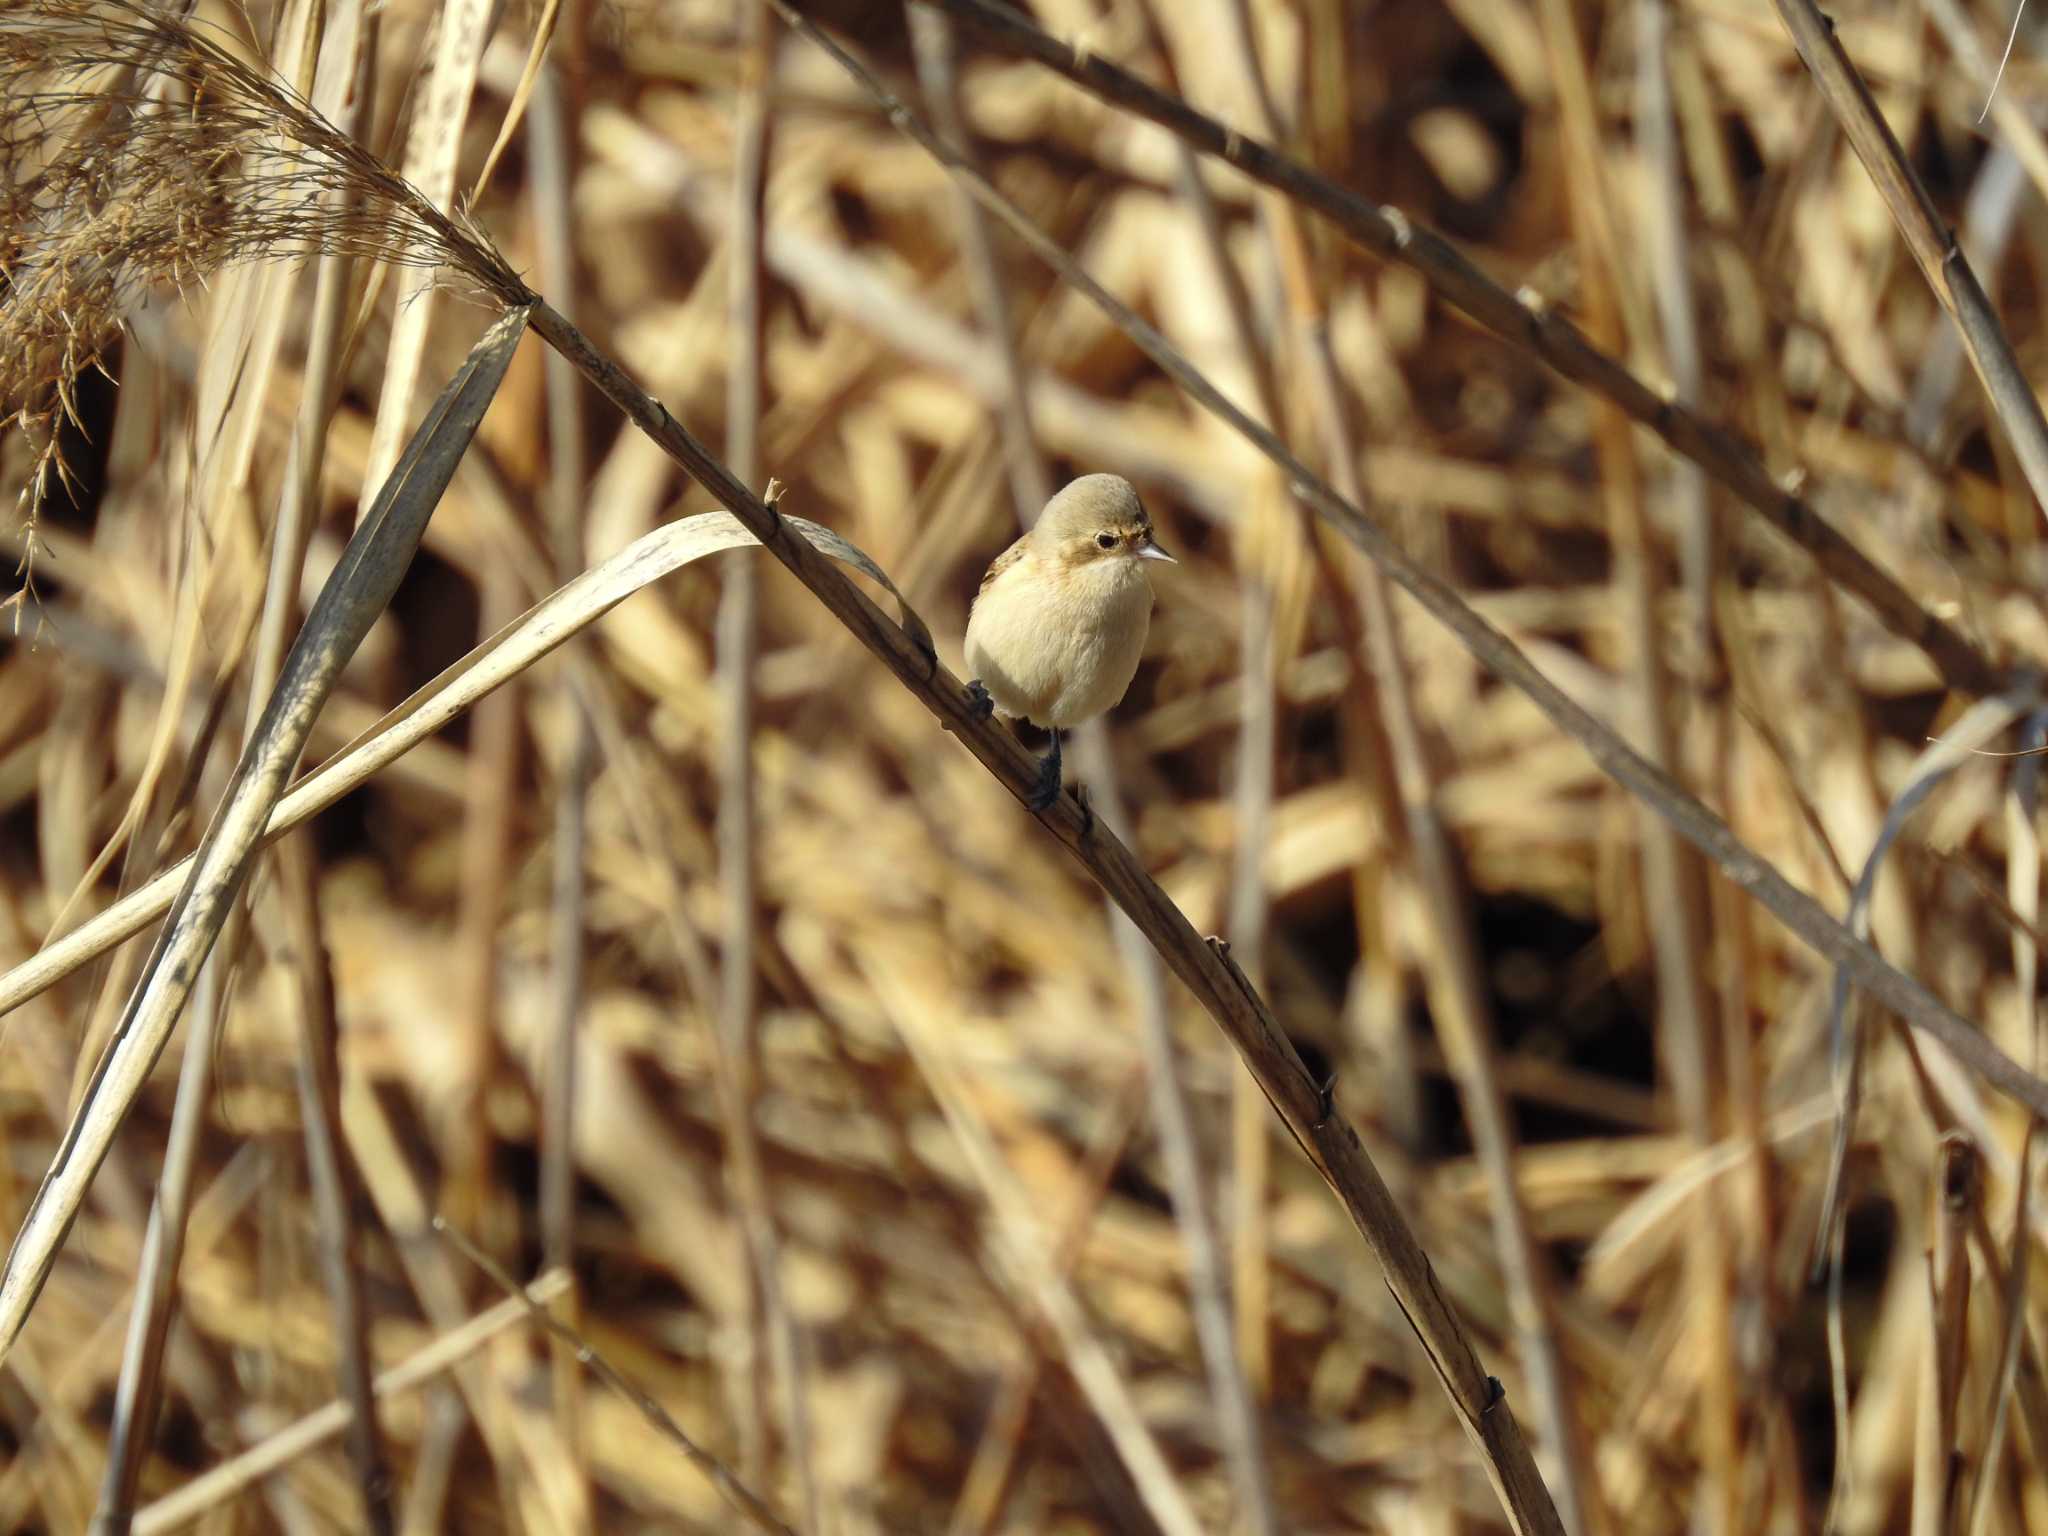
[698, 959]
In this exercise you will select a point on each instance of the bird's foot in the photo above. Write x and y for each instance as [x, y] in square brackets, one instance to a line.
[1047, 789]
[979, 705]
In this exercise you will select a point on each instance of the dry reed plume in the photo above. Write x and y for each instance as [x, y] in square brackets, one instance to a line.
[137, 155]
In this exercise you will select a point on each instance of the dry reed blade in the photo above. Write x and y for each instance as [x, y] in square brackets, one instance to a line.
[352, 598]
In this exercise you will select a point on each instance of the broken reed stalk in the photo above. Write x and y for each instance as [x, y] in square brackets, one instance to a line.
[1520, 319]
[1927, 236]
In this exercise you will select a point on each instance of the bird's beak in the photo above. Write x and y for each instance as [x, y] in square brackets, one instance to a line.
[1150, 551]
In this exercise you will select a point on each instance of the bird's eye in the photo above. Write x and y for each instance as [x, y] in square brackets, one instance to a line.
[1105, 541]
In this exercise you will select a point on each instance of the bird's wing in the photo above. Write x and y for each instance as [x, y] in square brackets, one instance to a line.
[1002, 563]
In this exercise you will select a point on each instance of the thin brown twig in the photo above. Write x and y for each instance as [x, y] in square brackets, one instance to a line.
[1937, 1481]
[329, 1161]
[773, 1367]
[333, 1176]
[736, 1493]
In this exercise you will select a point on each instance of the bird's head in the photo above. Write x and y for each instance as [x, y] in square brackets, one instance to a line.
[1096, 519]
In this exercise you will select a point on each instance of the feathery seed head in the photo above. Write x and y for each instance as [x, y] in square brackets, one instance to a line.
[137, 154]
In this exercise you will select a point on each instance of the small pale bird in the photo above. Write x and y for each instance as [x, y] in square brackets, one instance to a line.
[1059, 624]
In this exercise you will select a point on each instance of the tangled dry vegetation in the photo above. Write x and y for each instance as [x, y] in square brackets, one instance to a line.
[696, 971]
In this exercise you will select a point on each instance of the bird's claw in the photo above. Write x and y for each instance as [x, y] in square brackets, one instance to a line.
[1047, 789]
[979, 705]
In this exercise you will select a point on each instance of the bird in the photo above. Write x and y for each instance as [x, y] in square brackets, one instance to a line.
[1057, 628]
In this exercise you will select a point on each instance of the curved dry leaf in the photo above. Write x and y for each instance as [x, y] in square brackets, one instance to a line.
[556, 618]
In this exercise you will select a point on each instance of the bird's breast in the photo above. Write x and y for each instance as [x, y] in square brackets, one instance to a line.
[1060, 651]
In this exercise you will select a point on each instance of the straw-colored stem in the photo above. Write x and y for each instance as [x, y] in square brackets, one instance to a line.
[553, 219]
[775, 1374]
[493, 770]
[1030, 486]
[1669, 871]
[138, 1394]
